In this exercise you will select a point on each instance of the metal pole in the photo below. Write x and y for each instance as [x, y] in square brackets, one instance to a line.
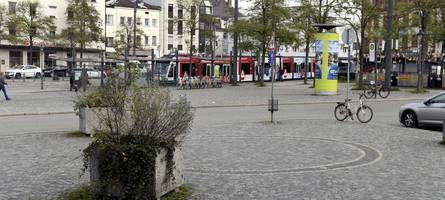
[176, 68]
[376, 67]
[84, 78]
[349, 63]
[388, 46]
[42, 61]
[102, 69]
[134, 26]
[235, 48]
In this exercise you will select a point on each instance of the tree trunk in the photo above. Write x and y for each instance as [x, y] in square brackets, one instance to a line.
[263, 59]
[190, 55]
[30, 50]
[306, 63]
[360, 55]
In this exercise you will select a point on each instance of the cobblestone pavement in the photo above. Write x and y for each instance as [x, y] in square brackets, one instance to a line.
[28, 98]
[314, 157]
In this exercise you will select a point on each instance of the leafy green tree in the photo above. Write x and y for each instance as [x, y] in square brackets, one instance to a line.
[365, 11]
[30, 23]
[302, 20]
[266, 18]
[84, 24]
[190, 22]
[3, 23]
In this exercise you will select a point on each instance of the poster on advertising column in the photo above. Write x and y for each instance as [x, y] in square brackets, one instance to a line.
[326, 68]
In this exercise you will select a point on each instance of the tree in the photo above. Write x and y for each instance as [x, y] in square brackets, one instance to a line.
[3, 22]
[30, 23]
[84, 24]
[268, 17]
[303, 19]
[190, 22]
[365, 11]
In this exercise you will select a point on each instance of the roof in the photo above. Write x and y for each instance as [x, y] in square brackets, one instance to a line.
[130, 4]
[222, 9]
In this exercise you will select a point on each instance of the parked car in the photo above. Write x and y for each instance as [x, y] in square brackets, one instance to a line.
[58, 70]
[431, 111]
[28, 71]
[92, 73]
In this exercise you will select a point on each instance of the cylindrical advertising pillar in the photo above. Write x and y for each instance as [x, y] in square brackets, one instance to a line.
[326, 68]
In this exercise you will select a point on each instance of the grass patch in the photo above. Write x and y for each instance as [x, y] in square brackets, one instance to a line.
[82, 193]
[182, 193]
[260, 84]
[414, 91]
[395, 89]
[75, 134]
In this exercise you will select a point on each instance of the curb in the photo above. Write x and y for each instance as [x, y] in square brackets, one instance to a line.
[218, 106]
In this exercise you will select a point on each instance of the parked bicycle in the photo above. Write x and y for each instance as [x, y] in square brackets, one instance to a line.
[373, 88]
[344, 110]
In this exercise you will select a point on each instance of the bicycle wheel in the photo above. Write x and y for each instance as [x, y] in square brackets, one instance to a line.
[341, 112]
[364, 114]
[384, 92]
[369, 93]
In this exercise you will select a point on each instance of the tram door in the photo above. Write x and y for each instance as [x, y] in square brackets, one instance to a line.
[225, 73]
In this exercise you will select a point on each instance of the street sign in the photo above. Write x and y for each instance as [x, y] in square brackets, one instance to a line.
[52, 56]
[271, 57]
[348, 38]
[372, 52]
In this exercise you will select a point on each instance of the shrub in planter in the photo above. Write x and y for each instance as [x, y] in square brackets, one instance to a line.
[137, 125]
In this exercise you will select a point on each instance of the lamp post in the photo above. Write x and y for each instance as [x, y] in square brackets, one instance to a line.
[42, 57]
[420, 35]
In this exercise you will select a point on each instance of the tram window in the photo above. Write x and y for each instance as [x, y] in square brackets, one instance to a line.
[246, 68]
[170, 71]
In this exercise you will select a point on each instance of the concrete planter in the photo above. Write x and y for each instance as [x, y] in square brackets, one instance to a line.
[162, 186]
[88, 120]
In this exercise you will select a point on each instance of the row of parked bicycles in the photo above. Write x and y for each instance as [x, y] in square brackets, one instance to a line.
[364, 113]
[195, 83]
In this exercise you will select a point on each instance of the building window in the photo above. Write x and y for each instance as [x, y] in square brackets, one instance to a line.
[138, 40]
[170, 26]
[170, 47]
[179, 47]
[153, 41]
[15, 58]
[52, 34]
[179, 27]
[138, 21]
[52, 17]
[12, 6]
[154, 23]
[53, 7]
[170, 10]
[122, 22]
[146, 41]
[129, 20]
[110, 41]
[109, 20]
[147, 22]
[94, 1]
[225, 36]
[180, 14]
[12, 29]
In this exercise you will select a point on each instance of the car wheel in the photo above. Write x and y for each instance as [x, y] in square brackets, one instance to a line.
[409, 119]
[38, 75]
[18, 76]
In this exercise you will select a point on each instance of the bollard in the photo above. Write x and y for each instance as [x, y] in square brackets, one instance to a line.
[443, 131]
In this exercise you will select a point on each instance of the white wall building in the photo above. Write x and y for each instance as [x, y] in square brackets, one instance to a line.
[120, 13]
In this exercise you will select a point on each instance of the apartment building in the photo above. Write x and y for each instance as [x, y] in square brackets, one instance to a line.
[18, 53]
[120, 14]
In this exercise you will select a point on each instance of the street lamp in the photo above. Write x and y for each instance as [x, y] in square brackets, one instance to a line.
[42, 57]
[420, 35]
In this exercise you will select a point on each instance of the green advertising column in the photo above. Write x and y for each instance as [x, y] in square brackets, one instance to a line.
[326, 68]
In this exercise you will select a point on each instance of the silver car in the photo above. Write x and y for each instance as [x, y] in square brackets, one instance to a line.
[431, 111]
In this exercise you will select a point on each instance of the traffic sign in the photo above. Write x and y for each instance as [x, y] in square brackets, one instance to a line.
[271, 57]
[348, 36]
[372, 52]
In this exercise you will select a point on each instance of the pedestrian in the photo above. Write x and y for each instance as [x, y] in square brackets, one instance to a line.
[2, 86]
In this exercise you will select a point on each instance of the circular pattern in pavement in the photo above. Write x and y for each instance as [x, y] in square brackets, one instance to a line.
[274, 154]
